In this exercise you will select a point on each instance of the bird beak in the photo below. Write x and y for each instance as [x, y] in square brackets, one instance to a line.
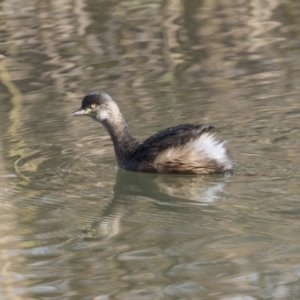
[80, 112]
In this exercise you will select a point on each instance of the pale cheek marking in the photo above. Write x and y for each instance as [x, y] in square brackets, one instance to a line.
[87, 111]
[103, 115]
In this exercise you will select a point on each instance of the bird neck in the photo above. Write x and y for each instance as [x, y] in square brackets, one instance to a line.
[124, 143]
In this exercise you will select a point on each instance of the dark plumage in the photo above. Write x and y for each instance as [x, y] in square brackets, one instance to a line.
[186, 149]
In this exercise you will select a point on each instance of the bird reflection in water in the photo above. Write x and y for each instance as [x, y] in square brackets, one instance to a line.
[173, 191]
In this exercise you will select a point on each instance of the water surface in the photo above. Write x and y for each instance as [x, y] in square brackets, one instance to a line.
[73, 226]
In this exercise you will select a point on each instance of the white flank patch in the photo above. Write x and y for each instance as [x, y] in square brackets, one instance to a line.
[200, 152]
[213, 149]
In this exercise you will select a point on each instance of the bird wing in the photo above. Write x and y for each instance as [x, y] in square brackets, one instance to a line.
[168, 138]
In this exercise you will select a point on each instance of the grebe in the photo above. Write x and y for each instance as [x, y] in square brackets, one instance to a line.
[182, 149]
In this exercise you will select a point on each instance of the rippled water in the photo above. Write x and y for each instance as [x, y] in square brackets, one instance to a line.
[73, 226]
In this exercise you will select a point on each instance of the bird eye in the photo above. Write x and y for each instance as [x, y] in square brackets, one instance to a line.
[93, 106]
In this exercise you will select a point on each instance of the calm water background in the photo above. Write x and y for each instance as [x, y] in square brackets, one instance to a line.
[75, 227]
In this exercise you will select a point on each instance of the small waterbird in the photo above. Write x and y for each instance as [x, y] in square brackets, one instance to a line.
[182, 149]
